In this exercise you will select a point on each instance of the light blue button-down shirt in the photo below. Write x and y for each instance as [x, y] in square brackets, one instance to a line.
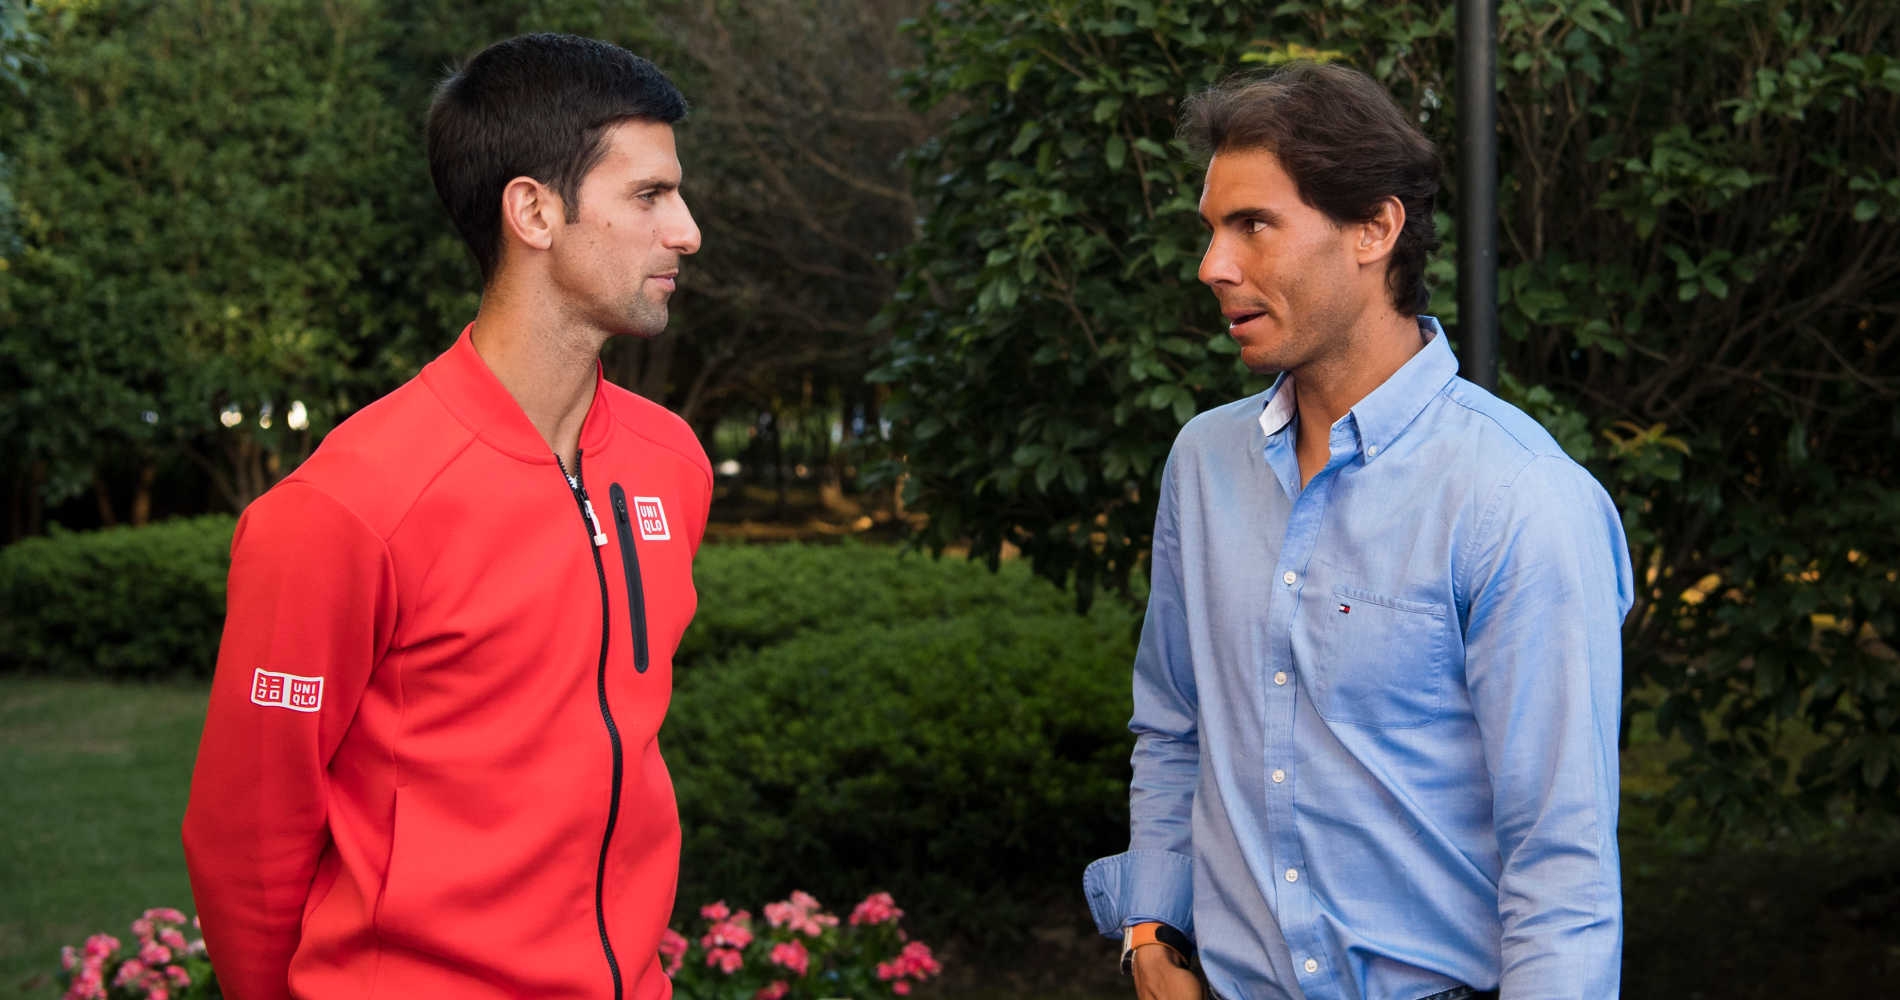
[1376, 716]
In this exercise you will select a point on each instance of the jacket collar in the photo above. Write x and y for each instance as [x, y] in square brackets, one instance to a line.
[464, 383]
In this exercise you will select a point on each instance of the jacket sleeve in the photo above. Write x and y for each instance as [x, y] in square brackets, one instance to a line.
[309, 611]
[1154, 879]
[1550, 583]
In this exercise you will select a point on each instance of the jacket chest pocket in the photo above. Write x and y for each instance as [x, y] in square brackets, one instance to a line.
[1370, 659]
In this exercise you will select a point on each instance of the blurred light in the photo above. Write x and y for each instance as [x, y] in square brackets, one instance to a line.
[298, 418]
[149, 417]
[263, 415]
[729, 467]
[232, 416]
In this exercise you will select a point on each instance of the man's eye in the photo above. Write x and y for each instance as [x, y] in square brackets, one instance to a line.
[648, 196]
[1253, 226]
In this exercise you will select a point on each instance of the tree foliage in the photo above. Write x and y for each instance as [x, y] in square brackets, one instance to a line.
[211, 200]
[227, 206]
[1700, 285]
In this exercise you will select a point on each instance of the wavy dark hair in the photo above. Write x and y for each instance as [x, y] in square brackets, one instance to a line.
[1346, 145]
[534, 106]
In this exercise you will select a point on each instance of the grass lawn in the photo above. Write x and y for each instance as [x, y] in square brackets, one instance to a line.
[92, 789]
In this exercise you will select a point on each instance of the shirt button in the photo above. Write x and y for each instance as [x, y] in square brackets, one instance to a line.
[1292, 874]
[1278, 775]
[1312, 966]
[1279, 677]
[1290, 577]
[1372, 449]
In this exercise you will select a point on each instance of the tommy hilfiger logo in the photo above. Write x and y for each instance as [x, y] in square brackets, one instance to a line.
[652, 516]
[1345, 609]
[299, 694]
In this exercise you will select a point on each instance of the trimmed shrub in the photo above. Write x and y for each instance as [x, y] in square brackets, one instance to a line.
[978, 763]
[129, 603]
[751, 596]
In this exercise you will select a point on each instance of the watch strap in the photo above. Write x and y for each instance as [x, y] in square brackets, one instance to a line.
[1154, 932]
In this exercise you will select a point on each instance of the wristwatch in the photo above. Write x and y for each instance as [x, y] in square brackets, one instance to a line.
[1154, 932]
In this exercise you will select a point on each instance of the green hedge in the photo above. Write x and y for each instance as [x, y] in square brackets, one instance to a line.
[847, 718]
[129, 603]
[752, 596]
[975, 763]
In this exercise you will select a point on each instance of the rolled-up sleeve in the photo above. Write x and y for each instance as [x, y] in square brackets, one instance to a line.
[1549, 585]
[1154, 879]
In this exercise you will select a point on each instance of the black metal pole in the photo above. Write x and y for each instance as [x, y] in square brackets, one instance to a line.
[1478, 190]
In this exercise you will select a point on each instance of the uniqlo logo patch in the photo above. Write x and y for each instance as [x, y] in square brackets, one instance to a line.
[274, 690]
[652, 519]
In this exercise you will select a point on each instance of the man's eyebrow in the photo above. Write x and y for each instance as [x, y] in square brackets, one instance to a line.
[653, 184]
[1266, 215]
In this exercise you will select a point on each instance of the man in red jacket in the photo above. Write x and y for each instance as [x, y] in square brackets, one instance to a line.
[430, 767]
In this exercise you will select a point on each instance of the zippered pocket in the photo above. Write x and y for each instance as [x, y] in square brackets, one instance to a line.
[630, 561]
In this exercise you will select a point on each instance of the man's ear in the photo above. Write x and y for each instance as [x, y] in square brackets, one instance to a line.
[530, 212]
[1380, 234]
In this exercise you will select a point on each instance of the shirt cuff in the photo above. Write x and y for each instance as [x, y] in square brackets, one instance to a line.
[1141, 885]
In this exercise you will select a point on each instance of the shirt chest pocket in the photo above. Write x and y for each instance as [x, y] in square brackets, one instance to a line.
[1373, 660]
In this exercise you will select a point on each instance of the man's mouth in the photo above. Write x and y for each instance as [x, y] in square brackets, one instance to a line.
[1238, 319]
[667, 280]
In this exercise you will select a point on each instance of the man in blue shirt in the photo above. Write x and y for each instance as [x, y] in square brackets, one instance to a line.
[1377, 691]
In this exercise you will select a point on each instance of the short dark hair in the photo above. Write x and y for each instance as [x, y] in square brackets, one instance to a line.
[1346, 145]
[534, 106]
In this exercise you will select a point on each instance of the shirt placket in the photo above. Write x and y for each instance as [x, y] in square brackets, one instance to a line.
[1292, 894]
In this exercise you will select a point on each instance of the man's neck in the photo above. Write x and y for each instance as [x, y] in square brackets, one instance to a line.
[1330, 387]
[548, 368]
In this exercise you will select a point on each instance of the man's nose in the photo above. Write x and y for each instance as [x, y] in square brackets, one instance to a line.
[683, 238]
[1218, 266]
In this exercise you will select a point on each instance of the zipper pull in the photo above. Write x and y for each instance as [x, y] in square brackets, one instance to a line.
[600, 537]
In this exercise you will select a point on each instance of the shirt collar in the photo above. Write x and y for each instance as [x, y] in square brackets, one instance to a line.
[464, 383]
[1385, 412]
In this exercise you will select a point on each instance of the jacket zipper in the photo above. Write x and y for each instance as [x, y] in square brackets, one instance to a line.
[598, 538]
[630, 561]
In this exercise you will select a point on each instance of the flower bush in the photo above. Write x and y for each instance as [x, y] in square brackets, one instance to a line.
[798, 952]
[163, 965]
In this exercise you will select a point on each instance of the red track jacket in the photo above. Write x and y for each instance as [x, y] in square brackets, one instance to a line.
[430, 767]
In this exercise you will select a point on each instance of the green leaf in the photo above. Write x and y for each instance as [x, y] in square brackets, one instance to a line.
[1114, 152]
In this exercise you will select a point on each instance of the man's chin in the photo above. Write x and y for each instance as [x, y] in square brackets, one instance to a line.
[1262, 361]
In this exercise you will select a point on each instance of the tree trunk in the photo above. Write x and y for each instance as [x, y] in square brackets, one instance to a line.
[142, 499]
[103, 497]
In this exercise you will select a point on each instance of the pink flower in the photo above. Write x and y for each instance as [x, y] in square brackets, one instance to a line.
[101, 945]
[727, 960]
[715, 911]
[673, 949]
[877, 908]
[165, 914]
[154, 953]
[177, 974]
[776, 989]
[172, 939]
[888, 971]
[901, 987]
[804, 901]
[68, 958]
[143, 928]
[793, 956]
[129, 972]
[777, 914]
[916, 960]
[727, 934]
[90, 984]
